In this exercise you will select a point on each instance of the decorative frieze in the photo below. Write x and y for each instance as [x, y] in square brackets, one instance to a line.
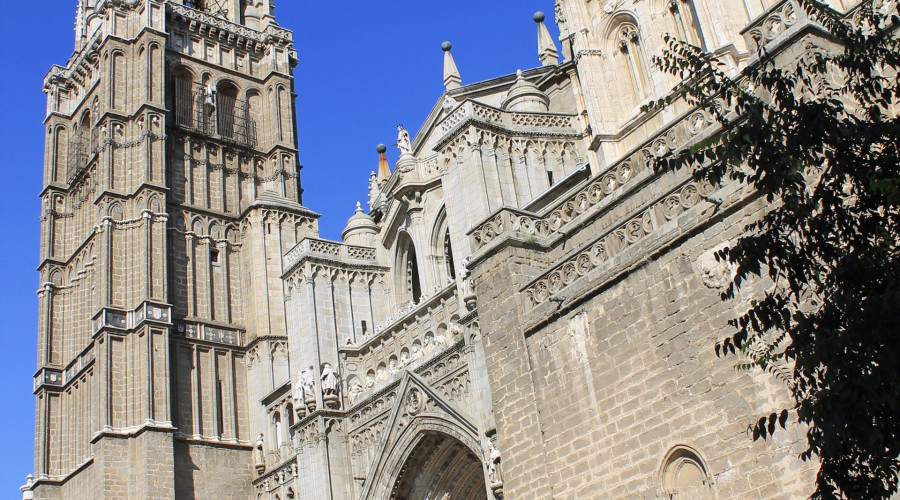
[612, 242]
[201, 331]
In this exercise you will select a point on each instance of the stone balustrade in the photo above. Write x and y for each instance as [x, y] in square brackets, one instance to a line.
[473, 111]
[328, 249]
[783, 17]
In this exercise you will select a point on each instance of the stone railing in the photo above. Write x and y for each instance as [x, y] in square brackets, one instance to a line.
[469, 110]
[324, 248]
[616, 240]
[785, 16]
[526, 225]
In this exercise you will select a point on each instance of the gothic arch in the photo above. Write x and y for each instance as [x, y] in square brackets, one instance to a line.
[407, 270]
[624, 41]
[429, 438]
[443, 264]
[684, 475]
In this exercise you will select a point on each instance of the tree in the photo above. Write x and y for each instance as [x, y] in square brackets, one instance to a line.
[819, 138]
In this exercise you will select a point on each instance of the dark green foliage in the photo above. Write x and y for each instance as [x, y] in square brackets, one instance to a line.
[818, 138]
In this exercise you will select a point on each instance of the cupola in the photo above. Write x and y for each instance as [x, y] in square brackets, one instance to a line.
[360, 230]
[524, 96]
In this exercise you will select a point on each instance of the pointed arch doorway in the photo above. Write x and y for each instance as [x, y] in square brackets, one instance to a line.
[441, 468]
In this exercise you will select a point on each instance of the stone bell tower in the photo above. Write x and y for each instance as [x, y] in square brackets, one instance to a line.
[171, 190]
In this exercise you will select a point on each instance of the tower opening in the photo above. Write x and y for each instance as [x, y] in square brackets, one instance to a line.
[441, 467]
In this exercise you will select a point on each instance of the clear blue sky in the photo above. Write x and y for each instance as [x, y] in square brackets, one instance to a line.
[364, 67]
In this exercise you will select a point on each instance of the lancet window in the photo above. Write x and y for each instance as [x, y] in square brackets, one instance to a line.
[628, 39]
[411, 284]
[687, 24]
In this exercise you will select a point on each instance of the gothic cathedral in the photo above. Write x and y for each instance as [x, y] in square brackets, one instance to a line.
[523, 310]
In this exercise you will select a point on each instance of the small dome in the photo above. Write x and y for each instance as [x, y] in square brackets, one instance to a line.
[525, 96]
[361, 228]
[539, 17]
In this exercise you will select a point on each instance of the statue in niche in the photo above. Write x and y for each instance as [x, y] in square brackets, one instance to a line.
[356, 390]
[429, 343]
[329, 380]
[495, 473]
[308, 383]
[416, 350]
[393, 366]
[454, 333]
[329, 387]
[299, 394]
[403, 142]
[370, 380]
[259, 454]
[404, 358]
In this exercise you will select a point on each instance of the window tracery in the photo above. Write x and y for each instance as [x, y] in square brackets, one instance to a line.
[628, 41]
[687, 24]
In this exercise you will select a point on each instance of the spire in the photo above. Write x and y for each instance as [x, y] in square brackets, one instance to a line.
[546, 48]
[384, 169]
[452, 79]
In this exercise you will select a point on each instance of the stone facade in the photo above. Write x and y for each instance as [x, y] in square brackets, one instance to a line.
[526, 309]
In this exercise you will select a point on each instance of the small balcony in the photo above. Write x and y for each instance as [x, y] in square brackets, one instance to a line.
[213, 112]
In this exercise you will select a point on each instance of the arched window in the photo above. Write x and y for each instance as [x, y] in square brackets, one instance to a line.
[410, 284]
[289, 409]
[687, 24]
[684, 475]
[277, 430]
[448, 256]
[184, 95]
[628, 40]
[226, 104]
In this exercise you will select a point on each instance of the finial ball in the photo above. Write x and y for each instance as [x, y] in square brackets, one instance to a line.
[539, 17]
[381, 148]
[446, 46]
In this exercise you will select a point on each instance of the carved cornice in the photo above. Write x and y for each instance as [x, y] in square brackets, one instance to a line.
[236, 34]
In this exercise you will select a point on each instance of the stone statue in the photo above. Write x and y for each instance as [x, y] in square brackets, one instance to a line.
[429, 343]
[330, 387]
[329, 380]
[454, 333]
[300, 395]
[374, 190]
[494, 472]
[403, 142]
[356, 390]
[209, 93]
[308, 384]
[449, 104]
[259, 454]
